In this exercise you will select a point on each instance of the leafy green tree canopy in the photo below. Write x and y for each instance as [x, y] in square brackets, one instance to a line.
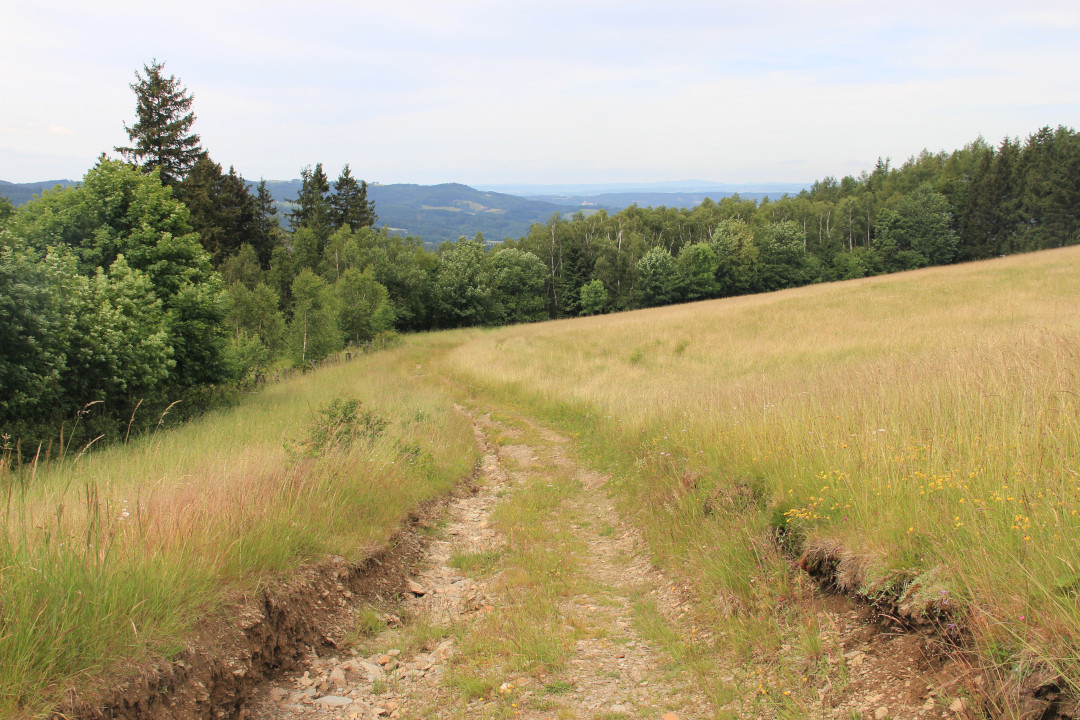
[118, 211]
[313, 332]
[517, 284]
[364, 308]
[462, 291]
[696, 268]
[594, 297]
[656, 277]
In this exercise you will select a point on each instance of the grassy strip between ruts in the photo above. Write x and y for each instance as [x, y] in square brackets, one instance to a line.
[113, 556]
[926, 423]
[538, 569]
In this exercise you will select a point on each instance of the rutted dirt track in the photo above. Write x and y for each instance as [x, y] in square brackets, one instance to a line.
[613, 670]
[306, 634]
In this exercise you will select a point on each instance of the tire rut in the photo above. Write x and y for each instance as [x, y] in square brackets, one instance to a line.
[612, 671]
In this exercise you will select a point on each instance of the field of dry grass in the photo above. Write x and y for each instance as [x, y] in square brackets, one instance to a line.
[916, 434]
[114, 555]
[920, 429]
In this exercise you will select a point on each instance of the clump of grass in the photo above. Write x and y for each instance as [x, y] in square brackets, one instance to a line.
[558, 687]
[369, 622]
[476, 563]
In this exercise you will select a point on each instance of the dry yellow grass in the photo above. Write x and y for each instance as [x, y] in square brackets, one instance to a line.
[928, 421]
[117, 554]
[925, 422]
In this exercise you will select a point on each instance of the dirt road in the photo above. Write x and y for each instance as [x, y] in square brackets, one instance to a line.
[534, 600]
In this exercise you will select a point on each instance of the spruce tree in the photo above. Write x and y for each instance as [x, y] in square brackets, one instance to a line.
[349, 205]
[313, 206]
[162, 137]
[222, 209]
[265, 228]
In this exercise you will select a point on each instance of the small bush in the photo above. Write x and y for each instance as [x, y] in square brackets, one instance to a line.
[339, 423]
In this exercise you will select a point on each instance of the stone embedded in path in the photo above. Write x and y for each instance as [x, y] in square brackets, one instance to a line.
[669, 716]
[415, 588]
[334, 701]
[372, 671]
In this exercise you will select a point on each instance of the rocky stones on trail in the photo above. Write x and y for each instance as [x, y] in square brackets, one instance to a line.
[334, 701]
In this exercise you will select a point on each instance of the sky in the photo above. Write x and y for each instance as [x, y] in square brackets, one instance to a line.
[553, 92]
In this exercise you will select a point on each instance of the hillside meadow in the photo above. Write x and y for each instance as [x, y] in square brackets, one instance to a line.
[916, 435]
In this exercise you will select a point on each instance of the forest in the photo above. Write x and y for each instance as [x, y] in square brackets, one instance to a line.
[162, 283]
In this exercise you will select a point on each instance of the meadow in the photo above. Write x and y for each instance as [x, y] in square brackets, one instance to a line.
[915, 435]
[110, 556]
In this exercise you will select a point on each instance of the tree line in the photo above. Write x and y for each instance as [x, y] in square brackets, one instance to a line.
[163, 277]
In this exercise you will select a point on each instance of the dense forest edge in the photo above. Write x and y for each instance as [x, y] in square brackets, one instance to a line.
[162, 283]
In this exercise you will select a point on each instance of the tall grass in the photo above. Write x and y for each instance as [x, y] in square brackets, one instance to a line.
[926, 422]
[113, 555]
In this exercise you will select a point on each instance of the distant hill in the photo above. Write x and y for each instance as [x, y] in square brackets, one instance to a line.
[613, 202]
[706, 187]
[438, 213]
[19, 193]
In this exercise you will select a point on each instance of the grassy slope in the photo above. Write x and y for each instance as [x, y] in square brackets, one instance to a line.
[927, 422]
[115, 555]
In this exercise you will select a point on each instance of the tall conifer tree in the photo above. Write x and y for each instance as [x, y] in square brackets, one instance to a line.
[312, 205]
[349, 205]
[162, 137]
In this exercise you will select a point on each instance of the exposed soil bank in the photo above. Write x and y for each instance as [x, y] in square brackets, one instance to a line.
[255, 637]
[919, 606]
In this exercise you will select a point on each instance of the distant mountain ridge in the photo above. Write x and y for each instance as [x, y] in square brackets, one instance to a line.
[445, 212]
[613, 202]
[19, 193]
[773, 189]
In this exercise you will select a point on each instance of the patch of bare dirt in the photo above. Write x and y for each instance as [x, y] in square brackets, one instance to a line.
[255, 637]
[614, 672]
[402, 680]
